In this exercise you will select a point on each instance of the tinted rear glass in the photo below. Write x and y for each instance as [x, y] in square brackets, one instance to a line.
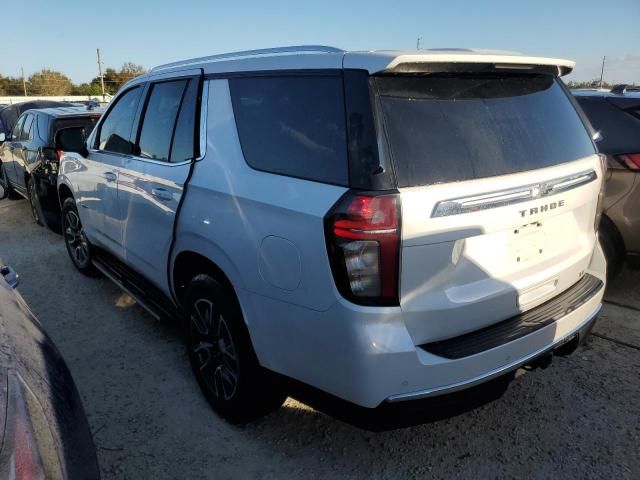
[620, 129]
[447, 128]
[293, 125]
[85, 122]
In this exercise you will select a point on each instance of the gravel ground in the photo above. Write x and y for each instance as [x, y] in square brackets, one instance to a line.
[580, 418]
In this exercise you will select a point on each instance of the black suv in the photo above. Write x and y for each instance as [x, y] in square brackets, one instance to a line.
[9, 114]
[30, 155]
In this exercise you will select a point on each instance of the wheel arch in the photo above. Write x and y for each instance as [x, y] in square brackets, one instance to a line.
[610, 226]
[189, 263]
[64, 192]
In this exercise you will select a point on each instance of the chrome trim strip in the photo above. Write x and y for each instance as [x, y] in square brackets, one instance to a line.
[502, 198]
[454, 387]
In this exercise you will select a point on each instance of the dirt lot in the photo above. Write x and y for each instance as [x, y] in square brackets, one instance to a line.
[580, 418]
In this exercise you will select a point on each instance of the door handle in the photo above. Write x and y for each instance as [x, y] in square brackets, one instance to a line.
[110, 176]
[162, 194]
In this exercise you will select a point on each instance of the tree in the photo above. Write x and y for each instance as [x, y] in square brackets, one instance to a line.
[91, 89]
[595, 83]
[115, 79]
[11, 86]
[49, 82]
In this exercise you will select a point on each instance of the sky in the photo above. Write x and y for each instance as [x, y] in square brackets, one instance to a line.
[64, 34]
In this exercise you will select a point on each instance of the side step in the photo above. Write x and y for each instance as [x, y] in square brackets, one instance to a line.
[518, 326]
[147, 295]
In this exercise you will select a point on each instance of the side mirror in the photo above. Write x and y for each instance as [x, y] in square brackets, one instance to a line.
[10, 276]
[3, 137]
[72, 139]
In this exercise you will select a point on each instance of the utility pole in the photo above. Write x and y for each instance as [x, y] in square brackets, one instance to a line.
[101, 76]
[602, 71]
[24, 83]
[418, 43]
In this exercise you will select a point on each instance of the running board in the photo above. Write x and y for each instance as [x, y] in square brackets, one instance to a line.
[147, 295]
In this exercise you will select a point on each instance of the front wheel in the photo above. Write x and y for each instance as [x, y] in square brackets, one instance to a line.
[75, 240]
[222, 357]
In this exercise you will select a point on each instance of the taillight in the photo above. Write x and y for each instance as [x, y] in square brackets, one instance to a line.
[59, 154]
[363, 241]
[631, 160]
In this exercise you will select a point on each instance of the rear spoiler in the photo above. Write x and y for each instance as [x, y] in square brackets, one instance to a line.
[388, 63]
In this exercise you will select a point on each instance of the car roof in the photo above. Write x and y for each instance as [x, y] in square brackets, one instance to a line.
[58, 112]
[319, 57]
[591, 92]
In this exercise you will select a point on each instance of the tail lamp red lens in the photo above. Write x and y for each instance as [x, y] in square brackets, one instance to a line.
[363, 240]
[631, 160]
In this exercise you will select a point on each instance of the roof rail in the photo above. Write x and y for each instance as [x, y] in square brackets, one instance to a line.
[251, 53]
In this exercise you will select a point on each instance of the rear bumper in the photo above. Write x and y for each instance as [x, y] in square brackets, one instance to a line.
[365, 355]
[582, 331]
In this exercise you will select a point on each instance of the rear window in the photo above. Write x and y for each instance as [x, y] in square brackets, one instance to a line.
[447, 128]
[293, 125]
[85, 122]
[620, 129]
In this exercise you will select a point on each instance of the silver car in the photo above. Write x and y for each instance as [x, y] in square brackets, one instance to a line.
[382, 226]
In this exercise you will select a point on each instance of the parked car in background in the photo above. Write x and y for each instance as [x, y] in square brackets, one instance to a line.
[44, 431]
[616, 115]
[345, 220]
[9, 115]
[29, 157]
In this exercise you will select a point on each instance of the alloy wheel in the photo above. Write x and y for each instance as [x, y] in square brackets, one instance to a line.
[214, 350]
[75, 238]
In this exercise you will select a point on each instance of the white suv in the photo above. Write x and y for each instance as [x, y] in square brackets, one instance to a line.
[383, 226]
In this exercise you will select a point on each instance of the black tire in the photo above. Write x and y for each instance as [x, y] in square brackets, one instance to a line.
[34, 200]
[612, 246]
[222, 357]
[75, 240]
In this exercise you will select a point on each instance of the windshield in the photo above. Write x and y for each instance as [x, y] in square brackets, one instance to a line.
[454, 127]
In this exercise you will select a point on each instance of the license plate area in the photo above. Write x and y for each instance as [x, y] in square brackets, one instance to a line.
[528, 243]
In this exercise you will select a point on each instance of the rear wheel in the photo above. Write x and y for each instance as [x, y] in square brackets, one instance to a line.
[222, 356]
[75, 240]
[612, 246]
[34, 200]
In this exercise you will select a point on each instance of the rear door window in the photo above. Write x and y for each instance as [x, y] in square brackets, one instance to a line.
[115, 130]
[447, 128]
[293, 125]
[160, 119]
[183, 144]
